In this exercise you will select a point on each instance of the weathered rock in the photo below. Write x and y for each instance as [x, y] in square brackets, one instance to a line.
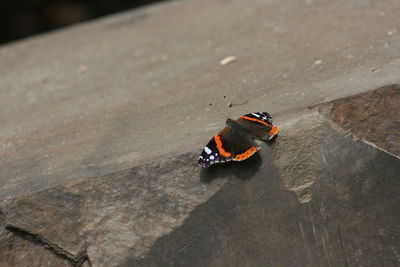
[120, 219]
[351, 219]
[298, 151]
[150, 73]
[98, 167]
[53, 215]
[22, 253]
[108, 218]
[17, 251]
[373, 116]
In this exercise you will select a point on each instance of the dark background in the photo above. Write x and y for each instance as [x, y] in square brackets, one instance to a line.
[22, 18]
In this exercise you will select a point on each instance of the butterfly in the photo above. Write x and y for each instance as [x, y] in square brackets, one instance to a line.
[236, 142]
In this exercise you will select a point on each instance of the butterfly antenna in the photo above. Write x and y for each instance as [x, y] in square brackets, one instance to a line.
[230, 104]
[215, 109]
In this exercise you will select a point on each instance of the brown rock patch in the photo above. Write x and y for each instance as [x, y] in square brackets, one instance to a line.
[372, 116]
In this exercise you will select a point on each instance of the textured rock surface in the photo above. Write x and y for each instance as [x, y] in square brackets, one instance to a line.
[16, 251]
[351, 219]
[113, 216]
[249, 215]
[372, 116]
[297, 153]
[102, 124]
[149, 75]
[23, 252]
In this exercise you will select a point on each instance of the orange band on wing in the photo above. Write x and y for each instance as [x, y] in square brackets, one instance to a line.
[252, 119]
[274, 130]
[221, 151]
[246, 154]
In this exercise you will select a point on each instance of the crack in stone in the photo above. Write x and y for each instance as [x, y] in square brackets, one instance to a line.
[349, 133]
[184, 246]
[76, 261]
[377, 147]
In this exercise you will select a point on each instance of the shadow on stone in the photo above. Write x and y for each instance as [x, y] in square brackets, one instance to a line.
[258, 222]
[243, 170]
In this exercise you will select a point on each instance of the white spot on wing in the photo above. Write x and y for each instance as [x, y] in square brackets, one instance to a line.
[255, 114]
[211, 157]
[207, 150]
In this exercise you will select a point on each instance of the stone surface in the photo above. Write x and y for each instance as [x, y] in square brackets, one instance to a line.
[150, 73]
[372, 116]
[351, 219]
[16, 251]
[23, 252]
[113, 216]
[152, 215]
[102, 125]
[297, 153]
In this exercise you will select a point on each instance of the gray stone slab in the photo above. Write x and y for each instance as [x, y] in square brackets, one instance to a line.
[110, 94]
[317, 189]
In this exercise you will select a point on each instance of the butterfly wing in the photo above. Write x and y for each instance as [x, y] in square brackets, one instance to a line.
[262, 116]
[260, 124]
[212, 153]
[232, 143]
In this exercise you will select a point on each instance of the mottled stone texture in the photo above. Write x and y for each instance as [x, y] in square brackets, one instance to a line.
[373, 116]
[17, 251]
[107, 218]
[297, 153]
[23, 252]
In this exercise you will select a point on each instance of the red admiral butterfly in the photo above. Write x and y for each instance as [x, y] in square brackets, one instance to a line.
[236, 141]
